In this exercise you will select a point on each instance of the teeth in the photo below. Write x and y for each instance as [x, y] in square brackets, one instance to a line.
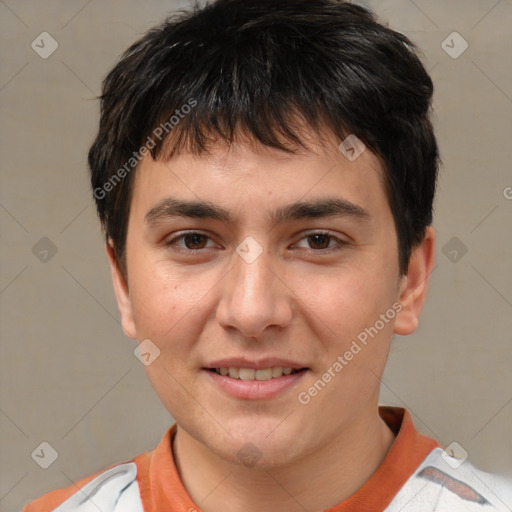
[263, 374]
[246, 374]
[277, 371]
[251, 374]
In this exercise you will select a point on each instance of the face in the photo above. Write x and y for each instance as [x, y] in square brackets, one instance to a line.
[269, 283]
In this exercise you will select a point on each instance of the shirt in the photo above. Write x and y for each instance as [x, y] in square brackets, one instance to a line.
[416, 475]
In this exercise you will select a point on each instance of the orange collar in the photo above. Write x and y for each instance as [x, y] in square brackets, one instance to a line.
[162, 489]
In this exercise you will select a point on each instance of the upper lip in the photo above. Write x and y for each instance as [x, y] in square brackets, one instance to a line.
[260, 364]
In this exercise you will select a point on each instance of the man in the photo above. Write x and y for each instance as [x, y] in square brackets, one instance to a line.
[264, 172]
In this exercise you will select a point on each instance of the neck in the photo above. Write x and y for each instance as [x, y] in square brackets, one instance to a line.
[316, 482]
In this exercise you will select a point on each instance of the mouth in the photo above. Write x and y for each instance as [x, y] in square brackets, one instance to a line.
[262, 383]
[250, 374]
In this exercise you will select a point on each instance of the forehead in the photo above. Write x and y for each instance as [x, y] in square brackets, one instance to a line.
[255, 178]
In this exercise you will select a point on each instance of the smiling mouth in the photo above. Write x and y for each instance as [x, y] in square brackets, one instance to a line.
[249, 374]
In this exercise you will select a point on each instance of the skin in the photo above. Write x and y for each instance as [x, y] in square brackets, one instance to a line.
[297, 300]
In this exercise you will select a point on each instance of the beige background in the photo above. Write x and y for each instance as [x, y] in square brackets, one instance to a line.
[69, 376]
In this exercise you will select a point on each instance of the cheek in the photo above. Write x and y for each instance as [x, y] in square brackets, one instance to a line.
[166, 301]
[344, 302]
[170, 309]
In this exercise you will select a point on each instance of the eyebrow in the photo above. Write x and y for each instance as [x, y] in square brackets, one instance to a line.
[169, 208]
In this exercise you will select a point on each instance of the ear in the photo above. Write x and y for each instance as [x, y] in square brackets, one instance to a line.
[122, 293]
[413, 286]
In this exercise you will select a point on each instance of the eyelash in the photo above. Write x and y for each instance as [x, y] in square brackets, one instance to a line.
[338, 245]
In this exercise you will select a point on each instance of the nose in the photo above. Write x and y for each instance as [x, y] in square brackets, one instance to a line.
[254, 297]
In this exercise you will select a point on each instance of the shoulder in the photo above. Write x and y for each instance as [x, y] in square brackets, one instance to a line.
[122, 487]
[445, 484]
[113, 490]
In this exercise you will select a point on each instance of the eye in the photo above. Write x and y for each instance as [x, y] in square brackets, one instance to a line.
[319, 241]
[192, 240]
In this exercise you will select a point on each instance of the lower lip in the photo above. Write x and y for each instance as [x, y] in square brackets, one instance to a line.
[255, 389]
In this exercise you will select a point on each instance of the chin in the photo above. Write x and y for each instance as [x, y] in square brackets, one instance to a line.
[259, 456]
[263, 447]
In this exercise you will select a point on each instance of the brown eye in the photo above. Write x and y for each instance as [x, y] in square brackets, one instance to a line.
[319, 241]
[195, 241]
